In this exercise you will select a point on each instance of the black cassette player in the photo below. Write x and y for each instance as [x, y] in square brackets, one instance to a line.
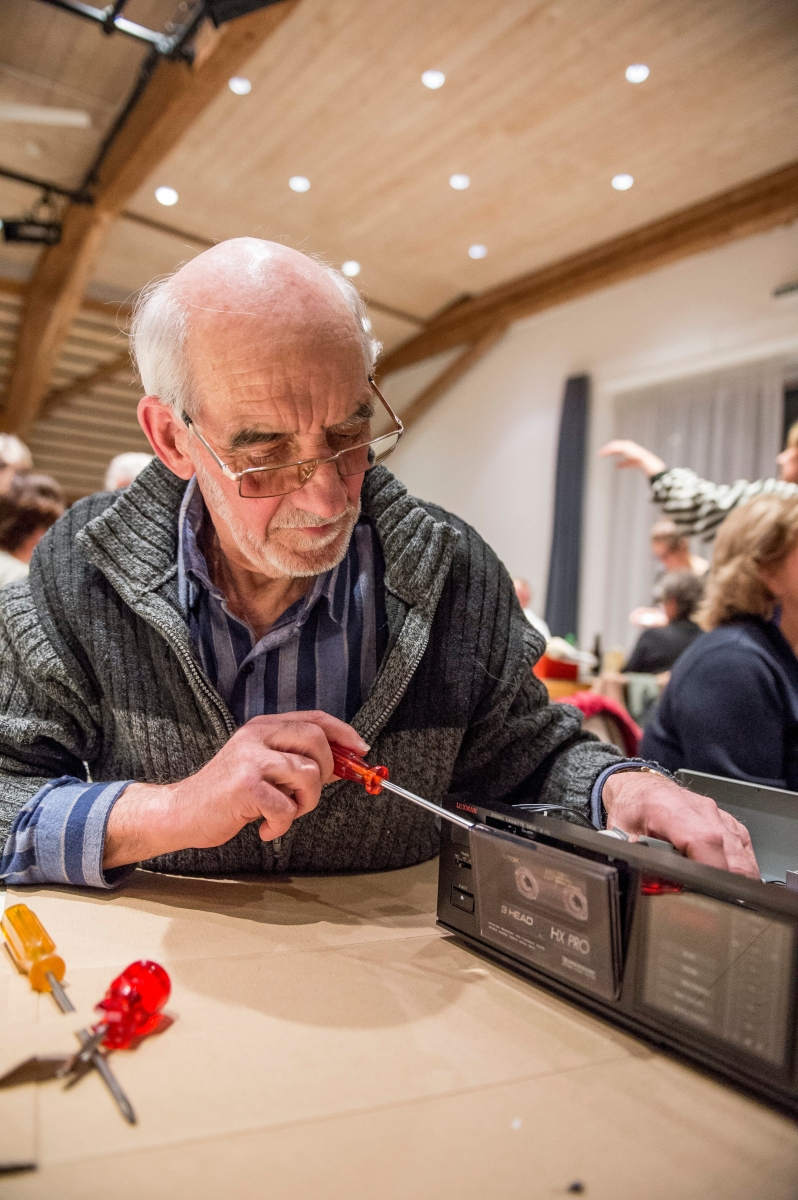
[693, 959]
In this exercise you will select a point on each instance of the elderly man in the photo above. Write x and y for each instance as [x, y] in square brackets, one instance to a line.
[192, 645]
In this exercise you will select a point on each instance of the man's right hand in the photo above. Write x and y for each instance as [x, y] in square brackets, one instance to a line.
[274, 768]
[630, 454]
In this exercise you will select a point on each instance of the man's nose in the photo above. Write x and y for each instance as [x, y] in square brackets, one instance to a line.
[324, 494]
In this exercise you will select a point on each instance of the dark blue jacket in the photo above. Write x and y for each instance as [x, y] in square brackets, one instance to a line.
[731, 707]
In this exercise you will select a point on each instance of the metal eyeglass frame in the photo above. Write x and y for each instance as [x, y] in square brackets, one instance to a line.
[310, 463]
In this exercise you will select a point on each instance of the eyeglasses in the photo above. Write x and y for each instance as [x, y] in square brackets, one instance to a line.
[255, 483]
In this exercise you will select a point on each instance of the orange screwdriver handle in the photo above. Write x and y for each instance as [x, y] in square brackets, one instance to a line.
[349, 766]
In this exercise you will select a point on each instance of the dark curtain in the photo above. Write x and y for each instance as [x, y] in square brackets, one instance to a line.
[562, 596]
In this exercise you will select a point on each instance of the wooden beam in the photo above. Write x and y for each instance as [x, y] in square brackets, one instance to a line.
[752, 207]
[451, 375]
[84, 383]
[13, 287]
[175, 97]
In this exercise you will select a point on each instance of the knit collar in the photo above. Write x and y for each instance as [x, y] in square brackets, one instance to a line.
[134, 541]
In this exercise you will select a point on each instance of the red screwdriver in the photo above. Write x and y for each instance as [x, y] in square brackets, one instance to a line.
[375, 779]
[131, 1009]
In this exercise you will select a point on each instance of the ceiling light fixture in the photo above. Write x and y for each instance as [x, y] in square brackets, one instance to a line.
[622, 183]
[351, 267]
[41, 114]
[239, 85]
[433, 80]
[298, 183]
[166, 195]
[477, 251]
[637, 73]
[459, 182]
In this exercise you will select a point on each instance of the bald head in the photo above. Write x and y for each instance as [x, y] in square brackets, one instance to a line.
[244, 298]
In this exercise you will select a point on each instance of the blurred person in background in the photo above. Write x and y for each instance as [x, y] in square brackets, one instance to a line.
[697, 505]
[14, 453]
[29, 505]
[123, 469]
[731, 707]
[524, 593]
[671, 548]
[679, 594]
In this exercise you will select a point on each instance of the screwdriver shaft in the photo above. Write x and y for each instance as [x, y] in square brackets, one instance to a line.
[97, 1060]
[89, 1043]
[59, 995]
[112, 1083]
[430, 806]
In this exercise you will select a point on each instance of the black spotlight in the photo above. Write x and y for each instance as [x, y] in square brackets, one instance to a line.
[43, 233]
[221, 11]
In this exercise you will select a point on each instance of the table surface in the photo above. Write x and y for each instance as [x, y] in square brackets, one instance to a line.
[330, 1042]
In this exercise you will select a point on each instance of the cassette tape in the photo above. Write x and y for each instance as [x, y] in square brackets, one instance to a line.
[553, 890]
[556, 911]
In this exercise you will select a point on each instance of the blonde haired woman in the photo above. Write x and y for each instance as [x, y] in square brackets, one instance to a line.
[731, 707]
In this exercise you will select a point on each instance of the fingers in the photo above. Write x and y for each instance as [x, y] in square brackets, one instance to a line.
[278, 811]
[709, 835]
[333, 729]
[694, 824]
[739, 848]
[307, 733]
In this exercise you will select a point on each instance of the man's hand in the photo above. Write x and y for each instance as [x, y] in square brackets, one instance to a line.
[273, 767]
[632, 455]
[639, 802]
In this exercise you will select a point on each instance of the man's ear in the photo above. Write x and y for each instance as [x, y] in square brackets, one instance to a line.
[167, 436]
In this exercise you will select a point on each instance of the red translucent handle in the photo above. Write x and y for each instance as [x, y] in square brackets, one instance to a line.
[349, 766]
[132, 1005]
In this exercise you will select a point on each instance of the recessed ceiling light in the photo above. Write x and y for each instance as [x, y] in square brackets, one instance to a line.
[637, 73]
[298, 183]
[459, 182]
[477, 251]
[166, 195]
[622, 183]
[241, 86]
[433, 79]
[351, 267]
[366, 323]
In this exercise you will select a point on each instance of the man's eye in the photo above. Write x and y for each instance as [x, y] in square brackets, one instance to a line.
[267, 458]
[350, 437]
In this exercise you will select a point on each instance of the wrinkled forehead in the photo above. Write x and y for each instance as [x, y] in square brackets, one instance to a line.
[283, 375]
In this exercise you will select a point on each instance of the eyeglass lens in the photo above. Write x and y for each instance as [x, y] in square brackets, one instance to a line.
[282, 480]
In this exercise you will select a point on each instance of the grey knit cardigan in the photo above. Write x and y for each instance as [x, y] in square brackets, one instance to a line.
[98, 671]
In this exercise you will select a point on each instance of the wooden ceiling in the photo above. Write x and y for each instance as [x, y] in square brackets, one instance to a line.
[536, 109]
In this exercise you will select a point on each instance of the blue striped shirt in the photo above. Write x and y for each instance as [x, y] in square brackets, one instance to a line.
[323, 652]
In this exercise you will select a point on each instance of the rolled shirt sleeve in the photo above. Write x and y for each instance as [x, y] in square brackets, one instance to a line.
[59, 836]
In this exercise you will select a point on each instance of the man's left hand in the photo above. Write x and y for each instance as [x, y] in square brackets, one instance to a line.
[640, 802]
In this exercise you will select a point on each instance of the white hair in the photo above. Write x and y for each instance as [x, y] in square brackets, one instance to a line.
[158, 331]
[14, 453]
[124, 468]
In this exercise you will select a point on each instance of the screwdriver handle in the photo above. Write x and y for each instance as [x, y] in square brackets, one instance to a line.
[349, 766]
[31, 947]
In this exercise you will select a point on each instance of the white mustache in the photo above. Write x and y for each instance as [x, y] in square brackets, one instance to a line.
[295, 518]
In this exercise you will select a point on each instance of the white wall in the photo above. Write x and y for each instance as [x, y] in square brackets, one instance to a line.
[487, 449]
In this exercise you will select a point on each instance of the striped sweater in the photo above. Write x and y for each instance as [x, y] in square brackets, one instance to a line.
[698, 506]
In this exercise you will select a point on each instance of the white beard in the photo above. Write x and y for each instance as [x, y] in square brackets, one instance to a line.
[291, 554]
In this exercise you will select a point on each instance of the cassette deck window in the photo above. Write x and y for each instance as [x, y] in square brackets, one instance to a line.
[720, 969]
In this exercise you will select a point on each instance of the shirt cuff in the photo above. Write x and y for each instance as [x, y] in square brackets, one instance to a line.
[598, 813]
[59, 836]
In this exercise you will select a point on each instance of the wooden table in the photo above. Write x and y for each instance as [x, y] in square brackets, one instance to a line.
[330, 1042]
